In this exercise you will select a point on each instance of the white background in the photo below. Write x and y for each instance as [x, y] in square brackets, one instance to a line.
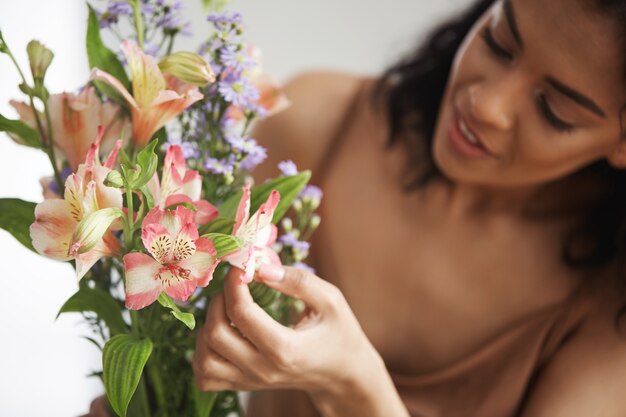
[43, 362]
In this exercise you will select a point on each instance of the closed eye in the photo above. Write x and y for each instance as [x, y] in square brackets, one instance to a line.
[494, 46]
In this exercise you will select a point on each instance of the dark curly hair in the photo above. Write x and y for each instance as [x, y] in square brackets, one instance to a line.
[411, 91]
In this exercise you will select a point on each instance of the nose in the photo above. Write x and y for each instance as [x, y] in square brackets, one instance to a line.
[492, 104]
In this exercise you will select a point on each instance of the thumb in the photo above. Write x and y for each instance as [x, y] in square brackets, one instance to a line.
[301, 284]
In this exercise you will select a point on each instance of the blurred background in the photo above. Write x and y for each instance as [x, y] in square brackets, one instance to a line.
[44, 363]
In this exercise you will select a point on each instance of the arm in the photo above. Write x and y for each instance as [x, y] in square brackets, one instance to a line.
[587, 378]
[326, 354]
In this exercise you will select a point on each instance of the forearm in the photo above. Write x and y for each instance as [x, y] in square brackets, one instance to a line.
[373, 395]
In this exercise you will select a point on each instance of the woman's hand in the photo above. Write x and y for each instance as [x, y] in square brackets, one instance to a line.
[326, 354]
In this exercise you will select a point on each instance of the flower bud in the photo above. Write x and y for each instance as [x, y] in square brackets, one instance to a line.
[287, 224]
[188, 67]
[91, 229]
[297, 205]
[314, 222]
[114, 179]
[40, 58]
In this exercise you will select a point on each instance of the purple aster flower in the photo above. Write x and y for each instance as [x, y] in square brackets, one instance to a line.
[54, 187]
[222, 18]
[290, 239]
[151, 49]
[254, 158]
[288, 168]
[303, 266]
[190, 149]
[113, 12]
[311, 192]
[220, 166]
[234, 57]
[238, 91]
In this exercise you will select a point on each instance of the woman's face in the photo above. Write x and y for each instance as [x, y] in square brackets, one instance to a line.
[534, 94]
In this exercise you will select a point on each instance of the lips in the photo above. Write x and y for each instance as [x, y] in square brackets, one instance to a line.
[464, 139]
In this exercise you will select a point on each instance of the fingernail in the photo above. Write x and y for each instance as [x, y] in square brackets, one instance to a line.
[272, 272]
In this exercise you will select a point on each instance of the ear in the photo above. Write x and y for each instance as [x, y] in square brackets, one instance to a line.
[617, 159]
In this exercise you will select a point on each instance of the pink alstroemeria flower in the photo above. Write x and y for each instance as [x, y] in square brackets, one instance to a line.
[156, 98]
[257, 233]
[57, 220]
[180, 261]
[180, 185]
[75, 120]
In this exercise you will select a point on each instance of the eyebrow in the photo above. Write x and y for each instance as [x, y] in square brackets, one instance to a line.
[559, 86]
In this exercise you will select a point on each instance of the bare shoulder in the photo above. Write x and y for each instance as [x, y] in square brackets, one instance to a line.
[302, 133]
[587, 377]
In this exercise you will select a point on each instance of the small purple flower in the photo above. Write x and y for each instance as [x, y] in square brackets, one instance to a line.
[190, 149]
[54, 187]
[113, 12]
[288, 168]
[238, 91]
[224, 18]
[302, 265]
[311, 192]
[254, 158]
[235, 58]
[220, 166]
[151, 49]
[289, 239]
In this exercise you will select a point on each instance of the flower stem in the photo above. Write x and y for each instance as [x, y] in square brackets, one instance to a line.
[138, 21]
[46, 137]
[157, 384]
[128, 234]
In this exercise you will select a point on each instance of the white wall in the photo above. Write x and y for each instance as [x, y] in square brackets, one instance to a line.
[43, 363]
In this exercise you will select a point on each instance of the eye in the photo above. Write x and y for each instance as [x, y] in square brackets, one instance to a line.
[494, 46]
[550, 117]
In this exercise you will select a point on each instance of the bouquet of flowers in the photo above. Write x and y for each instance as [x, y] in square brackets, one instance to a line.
[152, 217]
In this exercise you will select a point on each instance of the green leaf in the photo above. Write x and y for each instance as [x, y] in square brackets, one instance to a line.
[205, 400]
[224, 244]
[288, 187]
[101, 303]
[123, 359]
[147, 162]
[16, 216]
[102, 57]
[20, 132]
[214, 5]
[186, 318]
[219, 225]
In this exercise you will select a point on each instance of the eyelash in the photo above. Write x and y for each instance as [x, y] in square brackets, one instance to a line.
[542, 101]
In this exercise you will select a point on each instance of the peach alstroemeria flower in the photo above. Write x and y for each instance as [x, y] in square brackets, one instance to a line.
[180, 261]
[180, 185]
[156, 99]
[55, 232]
[75, 119]
[257, 234]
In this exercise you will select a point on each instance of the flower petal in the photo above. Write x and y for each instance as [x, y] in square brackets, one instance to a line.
[142, 287]
[158, 241]
[243, 210]
[180, 288]
[52, 230]
[146, 76]
[202, 264]
[99, 75]
[184, 246]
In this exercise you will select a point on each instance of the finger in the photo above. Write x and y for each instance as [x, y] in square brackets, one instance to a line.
[208, 365]
[295, 282]
[220, 336]
[257, 326]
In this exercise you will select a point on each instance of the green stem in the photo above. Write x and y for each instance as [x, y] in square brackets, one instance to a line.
[128, 234]
[138, 21]
[159, 391]
[170, 45]
[45, 136]
[51, 154]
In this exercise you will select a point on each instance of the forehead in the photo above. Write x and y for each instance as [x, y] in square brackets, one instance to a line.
[571, 41]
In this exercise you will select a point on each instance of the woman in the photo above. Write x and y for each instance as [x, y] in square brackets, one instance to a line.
[484, 279]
